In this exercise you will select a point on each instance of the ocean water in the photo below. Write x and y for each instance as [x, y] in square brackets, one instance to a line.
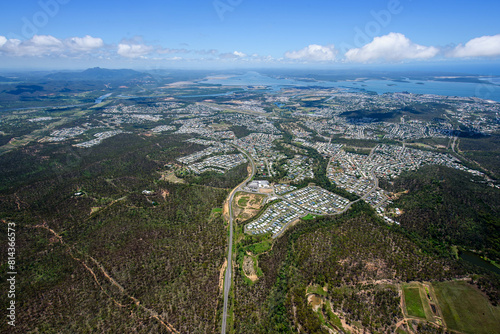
[462, 89]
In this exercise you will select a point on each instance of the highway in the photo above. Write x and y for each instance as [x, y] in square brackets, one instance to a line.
[227, 276]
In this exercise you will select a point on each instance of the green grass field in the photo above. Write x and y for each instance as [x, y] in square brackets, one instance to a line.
[332, 317]
[465, 309]
[216, 210]
[413, 302]
[243, 201]
[260, 247]
[318, 290]
[310, 217]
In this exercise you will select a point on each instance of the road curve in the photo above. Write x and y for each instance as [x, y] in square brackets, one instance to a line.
[227, 276]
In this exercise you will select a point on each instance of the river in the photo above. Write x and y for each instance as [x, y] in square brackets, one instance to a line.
[102, 98]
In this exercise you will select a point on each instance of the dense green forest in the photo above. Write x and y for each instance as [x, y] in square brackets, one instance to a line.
[103, 229]
[483, 151]
[95, 254]
[445, 207]
[344, 254]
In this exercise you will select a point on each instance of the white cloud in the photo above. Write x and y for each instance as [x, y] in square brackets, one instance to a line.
[168, 50]
[46, 45]
[46, 41]
[38, 45]
[233, 55]
[207, 52]
[134, 50]
[75, 47]
[314, 53]
[485, 46]
[86, 43]
[239, 54]
[393, 47]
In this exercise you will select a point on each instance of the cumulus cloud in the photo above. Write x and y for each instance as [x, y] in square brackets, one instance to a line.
[3, 40]
[485, 46]
[393, 47]
[38, 45]
[75, 47]
[239, 54]
[136, 47]
[314, 53]
[232, 55]
[46, 41]
[134, 50]
[86, 43]
[46, 45]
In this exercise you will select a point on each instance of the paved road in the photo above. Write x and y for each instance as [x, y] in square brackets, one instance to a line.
[348, 206]
[227, 277]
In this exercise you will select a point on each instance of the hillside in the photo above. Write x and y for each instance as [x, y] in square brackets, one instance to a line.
[356, 261]
[442, 207]
[88, 236]
[98, 74]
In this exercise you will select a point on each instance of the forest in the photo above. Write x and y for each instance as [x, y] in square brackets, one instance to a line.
[103, 229]
[445, 207]
[344, 254]
[88, 236]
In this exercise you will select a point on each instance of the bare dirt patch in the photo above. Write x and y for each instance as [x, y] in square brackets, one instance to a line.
[246, 206]
[249, 269]
[170, 177]
[164, 193]
[221, 275]
[95, 209]
[398, 195]
[376, 266]
[315, 301]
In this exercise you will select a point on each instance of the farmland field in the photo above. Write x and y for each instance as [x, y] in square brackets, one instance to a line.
[414, 302]
[466, 309]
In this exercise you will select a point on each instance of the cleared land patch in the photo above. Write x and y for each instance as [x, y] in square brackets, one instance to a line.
[243, 201]
[249, 269]
[247, 206]
[260, 247]
[315, 301]
[413, 302]
[170, 177]
[466, 309]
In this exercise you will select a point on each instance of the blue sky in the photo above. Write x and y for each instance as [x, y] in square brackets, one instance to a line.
[246, 33]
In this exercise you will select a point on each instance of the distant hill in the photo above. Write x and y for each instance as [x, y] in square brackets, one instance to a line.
[100, 74]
